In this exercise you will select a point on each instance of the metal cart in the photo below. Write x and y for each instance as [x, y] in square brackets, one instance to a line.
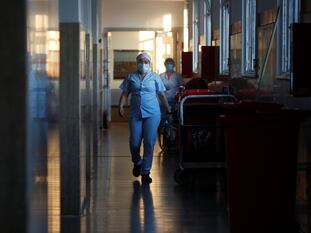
[201, 138]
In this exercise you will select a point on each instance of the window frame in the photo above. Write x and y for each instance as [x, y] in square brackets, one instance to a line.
[195, 36]
[249, 38]
[224, 20]
[290, 11]
[208, 22]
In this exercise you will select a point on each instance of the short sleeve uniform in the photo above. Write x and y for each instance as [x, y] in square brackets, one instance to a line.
[171, 84]
[144, 102]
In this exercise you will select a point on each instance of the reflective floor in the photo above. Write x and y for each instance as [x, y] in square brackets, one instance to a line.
[117, 202]
[120, 203]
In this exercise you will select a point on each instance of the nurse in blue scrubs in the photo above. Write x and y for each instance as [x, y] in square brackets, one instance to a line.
[172, 80]
[146, 89]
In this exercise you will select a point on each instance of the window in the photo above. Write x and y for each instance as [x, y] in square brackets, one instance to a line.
[195, 35]
[249, 38]
[208, 22]
[289, 15]
[224, 37]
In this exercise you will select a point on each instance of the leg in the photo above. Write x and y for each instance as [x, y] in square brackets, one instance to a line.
[150, 127]
[135, 139]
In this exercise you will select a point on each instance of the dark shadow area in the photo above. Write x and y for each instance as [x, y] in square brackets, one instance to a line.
[71, 224]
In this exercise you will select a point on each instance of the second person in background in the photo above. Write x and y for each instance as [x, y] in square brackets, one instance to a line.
[171, 80]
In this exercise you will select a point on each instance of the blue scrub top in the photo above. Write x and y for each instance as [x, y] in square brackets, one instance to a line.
[144, 101]
[171, 84]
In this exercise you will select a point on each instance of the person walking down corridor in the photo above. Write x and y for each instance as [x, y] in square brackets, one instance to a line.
[144, 87]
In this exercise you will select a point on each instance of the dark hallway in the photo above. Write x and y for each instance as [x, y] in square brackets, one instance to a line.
[120, 203]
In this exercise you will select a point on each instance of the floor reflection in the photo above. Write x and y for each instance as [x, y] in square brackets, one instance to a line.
[39, 87]
[142, 209]
[37, 149]
[119, 204]
[53, 181]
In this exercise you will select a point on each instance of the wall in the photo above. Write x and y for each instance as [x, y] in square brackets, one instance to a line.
[141, 14]
[133, 39]
[78, 11]
[69, 11]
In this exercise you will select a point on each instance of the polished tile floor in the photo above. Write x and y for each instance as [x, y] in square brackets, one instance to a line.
[117, 202]
[120, 203]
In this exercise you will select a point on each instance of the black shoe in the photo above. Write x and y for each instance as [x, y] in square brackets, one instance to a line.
[146, 178]
[136, 170]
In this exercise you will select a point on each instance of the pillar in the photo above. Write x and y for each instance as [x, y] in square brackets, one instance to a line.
[13, 159]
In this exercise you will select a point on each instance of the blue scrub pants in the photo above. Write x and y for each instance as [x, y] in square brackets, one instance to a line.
[143, 129]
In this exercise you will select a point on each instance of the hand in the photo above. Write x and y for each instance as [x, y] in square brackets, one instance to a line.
[169, 115]
[121, 112]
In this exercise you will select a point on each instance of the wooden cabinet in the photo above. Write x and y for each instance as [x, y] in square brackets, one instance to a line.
[186, 64]
[301, 52]
[210, 62]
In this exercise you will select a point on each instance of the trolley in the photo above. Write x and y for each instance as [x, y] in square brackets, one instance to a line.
[201, 138]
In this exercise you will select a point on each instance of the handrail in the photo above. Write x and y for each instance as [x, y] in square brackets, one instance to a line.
[181, 105]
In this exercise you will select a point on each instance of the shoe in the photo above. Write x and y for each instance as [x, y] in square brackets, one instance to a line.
[136, 170]
[146, 178]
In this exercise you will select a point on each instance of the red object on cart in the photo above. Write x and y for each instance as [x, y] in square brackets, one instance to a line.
[188, 92]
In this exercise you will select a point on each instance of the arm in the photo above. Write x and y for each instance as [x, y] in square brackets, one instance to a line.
[122, 102]
[163, 99]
